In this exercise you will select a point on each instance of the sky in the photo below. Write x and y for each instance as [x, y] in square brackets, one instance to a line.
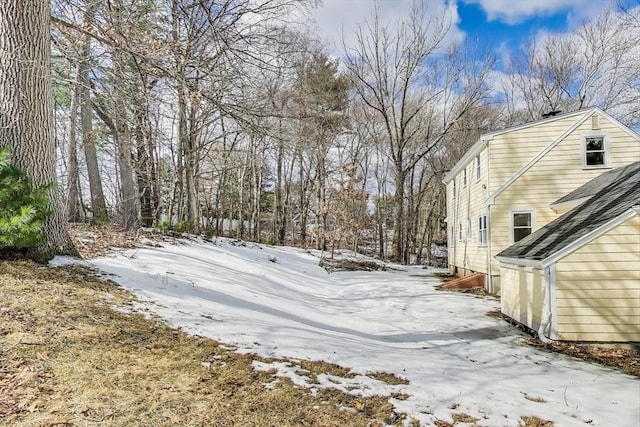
[278, 302]
[498, 24]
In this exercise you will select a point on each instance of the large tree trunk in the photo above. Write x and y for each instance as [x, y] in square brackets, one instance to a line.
[98, 204]
[26, 110]
[130, 219]
[144, 174]
[397, 244]
[73, 183]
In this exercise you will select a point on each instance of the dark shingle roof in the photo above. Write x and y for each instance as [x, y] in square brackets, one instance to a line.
[614, 193]
[596, 184]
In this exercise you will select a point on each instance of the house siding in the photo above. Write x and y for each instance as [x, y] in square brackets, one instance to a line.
[522, 294]
[467, 255]
[556, 174]
[598, 288]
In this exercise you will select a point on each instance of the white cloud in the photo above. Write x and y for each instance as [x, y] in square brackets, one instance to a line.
[514, 12]
[338, 20]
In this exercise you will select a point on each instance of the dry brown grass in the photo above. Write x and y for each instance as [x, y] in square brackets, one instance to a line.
[535, 422]
[626, 360]
[461, 417]
[534, 398]
[67, 357]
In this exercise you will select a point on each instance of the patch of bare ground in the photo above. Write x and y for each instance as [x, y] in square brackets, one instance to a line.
[336, 264]
[624, 359]
[72, 353]
[93, 240]
[534, 422]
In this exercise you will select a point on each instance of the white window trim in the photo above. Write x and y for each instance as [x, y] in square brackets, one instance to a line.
[607, 151]
[478, 167]
[459, 232]
[482, 242]
[465, 178]
[454, 188]
[469, 234]
[520, 211]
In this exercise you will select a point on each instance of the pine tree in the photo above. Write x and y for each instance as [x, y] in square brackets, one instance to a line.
[22, 208]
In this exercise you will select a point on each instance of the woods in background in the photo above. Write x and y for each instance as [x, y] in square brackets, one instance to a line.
[229, 118]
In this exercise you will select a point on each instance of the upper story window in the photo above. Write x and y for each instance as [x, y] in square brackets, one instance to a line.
[464, 177]
[454, 188]
[478, 168]
[521, 225]
[595, 151]
[460, 232]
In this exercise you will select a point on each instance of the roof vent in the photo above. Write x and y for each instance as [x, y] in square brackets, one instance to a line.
[595, 122]
[551, 114]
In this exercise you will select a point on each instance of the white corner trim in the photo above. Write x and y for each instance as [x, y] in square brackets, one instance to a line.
[540, 155]
[589, 237]
[553, 301]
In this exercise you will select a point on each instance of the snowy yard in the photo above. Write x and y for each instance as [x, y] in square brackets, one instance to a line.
[279, 302]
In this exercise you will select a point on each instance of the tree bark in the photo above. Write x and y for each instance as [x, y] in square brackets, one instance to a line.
[73, 184]
[26, 110]
[98, 203]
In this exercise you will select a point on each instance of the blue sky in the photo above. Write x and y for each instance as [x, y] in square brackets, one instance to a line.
[498, 24]
[473, 21]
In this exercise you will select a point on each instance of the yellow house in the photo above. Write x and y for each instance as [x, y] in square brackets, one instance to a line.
[578, 277]
[507, 185]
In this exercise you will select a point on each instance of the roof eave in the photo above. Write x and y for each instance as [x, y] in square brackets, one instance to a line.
[475, 149]
[525, 262]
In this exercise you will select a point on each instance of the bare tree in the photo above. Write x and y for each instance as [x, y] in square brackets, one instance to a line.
[417, 87]
[598, 64]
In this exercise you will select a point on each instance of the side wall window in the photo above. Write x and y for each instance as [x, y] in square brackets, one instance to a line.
[482, 230]
[478, 168]
[521, 224]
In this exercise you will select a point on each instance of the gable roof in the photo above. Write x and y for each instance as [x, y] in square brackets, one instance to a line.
[485, 138]
[615, 194]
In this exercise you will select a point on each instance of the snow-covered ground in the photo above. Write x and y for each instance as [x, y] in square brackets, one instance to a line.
[279, 302]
